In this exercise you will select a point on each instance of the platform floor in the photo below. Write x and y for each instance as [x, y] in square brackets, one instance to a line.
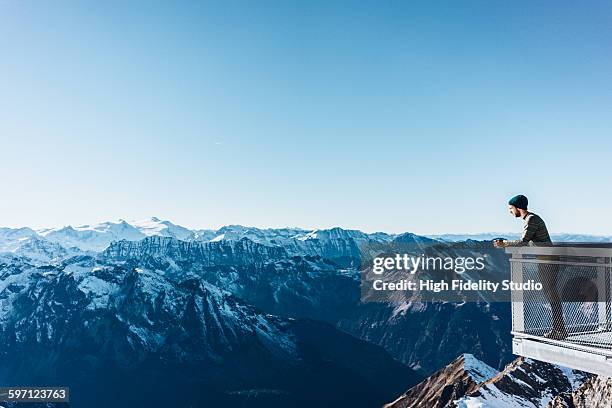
[602, 339]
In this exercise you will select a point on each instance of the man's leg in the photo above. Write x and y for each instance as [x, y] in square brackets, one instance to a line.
[549, 274]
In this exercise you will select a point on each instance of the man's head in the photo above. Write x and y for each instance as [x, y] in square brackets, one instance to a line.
[516, 204]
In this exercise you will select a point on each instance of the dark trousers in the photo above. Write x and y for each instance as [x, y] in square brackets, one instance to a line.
[549, 274]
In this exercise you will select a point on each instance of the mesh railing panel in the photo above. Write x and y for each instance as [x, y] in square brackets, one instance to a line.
[573, 308]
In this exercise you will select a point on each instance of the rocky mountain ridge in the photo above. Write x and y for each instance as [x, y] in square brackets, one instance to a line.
[136, 329]
[467, 383]
[97, 237]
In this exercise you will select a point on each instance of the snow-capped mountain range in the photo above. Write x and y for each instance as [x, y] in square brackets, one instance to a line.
[273, 313]
[50, 243]
[98, 237]
[136, 329]
[290, 272]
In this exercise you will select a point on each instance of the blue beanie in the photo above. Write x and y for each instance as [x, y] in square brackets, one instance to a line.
[519, 201]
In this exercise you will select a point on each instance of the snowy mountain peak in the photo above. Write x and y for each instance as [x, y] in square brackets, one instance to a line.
[478, 370]
[468, 383]
[91, 237]
[155, 226]
[458, 378]
[523, 383]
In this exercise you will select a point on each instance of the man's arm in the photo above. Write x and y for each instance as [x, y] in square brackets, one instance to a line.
[528, 233]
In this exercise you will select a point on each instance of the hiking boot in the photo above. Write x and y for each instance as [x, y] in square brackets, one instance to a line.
[556, 334]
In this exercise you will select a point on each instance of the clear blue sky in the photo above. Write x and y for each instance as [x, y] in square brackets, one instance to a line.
[421, 116]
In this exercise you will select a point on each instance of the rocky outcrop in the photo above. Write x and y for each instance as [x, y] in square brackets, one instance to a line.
[442, 388]
[242, 252]
[596, 392]
[467, 382]
[524, 383]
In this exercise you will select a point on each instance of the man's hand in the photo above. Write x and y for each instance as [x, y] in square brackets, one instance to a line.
[499, 243]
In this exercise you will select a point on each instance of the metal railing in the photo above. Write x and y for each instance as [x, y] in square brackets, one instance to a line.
[573, 308]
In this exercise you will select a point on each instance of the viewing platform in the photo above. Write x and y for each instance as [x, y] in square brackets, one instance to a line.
[569, 322]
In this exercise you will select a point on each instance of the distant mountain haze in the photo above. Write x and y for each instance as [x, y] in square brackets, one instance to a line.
[98, 237]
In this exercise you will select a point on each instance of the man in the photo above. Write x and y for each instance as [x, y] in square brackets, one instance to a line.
[535, 232]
